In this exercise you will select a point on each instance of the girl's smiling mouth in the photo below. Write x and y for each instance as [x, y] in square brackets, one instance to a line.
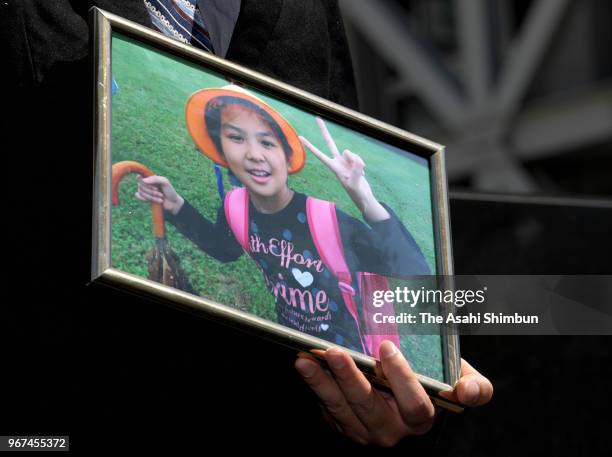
[259, 176]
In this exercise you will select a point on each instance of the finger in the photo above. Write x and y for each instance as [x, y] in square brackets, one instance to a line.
[331, 144]
[321, 156]
[156, 180]
[355, 165]
[347, 159]
[151, 190]
[413, 402]
[148, 198]
[363, 399]
[418, 429]
[330, 395]
[306, 355]
[150, 193]
[472, 389]
[153, 183]
[356, 160]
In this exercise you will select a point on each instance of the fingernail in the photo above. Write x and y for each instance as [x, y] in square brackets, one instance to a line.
[335, 359]
[306, 369]
[473, 391]
[446, 394]
[387, 350]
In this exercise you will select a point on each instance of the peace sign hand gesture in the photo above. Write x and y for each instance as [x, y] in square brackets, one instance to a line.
[349, 168]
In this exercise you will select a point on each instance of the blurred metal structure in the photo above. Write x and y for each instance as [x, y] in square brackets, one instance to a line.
[503, 83]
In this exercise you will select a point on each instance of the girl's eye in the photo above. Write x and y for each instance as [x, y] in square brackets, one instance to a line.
[268, 144]
[235, 138]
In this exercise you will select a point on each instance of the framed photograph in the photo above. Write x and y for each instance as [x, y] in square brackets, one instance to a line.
[237, 197]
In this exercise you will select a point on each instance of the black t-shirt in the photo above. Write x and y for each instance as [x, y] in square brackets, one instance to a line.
[306, 293]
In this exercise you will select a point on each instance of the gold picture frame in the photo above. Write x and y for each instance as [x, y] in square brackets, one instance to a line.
[107, 28]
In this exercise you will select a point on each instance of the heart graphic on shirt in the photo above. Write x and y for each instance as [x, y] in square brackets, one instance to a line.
[303, 277]
[324, 327]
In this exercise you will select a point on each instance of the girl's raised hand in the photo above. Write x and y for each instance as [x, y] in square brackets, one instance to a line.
[157, 189]
[349, 168]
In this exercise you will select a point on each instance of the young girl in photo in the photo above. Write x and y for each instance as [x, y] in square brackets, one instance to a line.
[309, 252]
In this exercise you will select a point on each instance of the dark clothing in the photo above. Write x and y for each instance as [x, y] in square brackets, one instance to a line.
[306, 294]
[221, 17]
[300, 42]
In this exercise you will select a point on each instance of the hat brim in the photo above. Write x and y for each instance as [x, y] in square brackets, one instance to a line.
[196, 125]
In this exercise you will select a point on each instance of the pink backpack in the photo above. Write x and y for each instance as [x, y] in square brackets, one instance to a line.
[326, 236]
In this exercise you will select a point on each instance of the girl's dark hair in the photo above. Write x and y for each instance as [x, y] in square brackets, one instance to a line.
[212, 115]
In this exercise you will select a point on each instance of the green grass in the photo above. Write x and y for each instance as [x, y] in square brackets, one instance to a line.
[148, 126]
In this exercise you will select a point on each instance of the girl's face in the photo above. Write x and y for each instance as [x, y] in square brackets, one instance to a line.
[253, 152]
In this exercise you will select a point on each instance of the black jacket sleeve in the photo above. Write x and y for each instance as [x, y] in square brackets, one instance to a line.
[38, 35]
[384, 247]
[217, 239]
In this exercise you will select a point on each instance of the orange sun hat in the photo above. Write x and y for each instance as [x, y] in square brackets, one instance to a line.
[196, 124]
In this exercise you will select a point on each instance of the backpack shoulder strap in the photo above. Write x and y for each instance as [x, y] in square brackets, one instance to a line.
[236, 207]
[323, 225]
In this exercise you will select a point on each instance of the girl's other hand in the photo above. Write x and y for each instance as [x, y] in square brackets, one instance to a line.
[157, 189]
